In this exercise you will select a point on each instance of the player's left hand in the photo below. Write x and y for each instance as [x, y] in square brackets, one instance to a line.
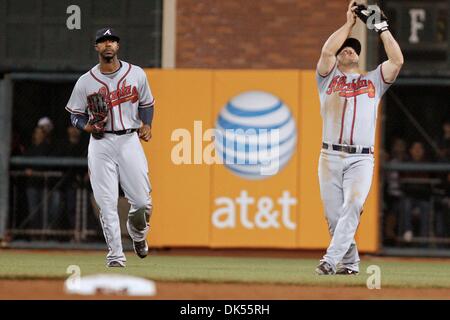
[145, 132]
[379, 24]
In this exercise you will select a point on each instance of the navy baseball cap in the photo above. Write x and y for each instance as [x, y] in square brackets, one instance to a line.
[106, 33]
[352, 43]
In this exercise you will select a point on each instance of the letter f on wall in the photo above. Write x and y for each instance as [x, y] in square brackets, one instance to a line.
[418, 17]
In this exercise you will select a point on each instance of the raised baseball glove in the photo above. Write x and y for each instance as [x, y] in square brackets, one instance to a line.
[373, 17]
[98, 114]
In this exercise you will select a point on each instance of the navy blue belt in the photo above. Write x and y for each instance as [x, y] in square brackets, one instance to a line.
[347, 149]
[122, 132]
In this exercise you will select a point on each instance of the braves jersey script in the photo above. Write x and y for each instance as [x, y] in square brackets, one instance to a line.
[125, 91]
[349, 105]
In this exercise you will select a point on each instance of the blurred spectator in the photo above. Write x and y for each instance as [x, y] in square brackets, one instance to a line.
[393, 190]
[55, 139]
[75, 177]
[446, 208]
[74, 147]
[444, 142]
[46, 124]
[442, 207]
[35, 185]
[17, 148]
[417, 193]
[399, 151]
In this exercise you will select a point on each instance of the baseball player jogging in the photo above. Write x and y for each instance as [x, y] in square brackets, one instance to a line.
[348, 105]
[113, 102]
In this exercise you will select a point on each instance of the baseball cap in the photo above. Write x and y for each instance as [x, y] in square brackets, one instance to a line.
[352, 43]
[45, 122]
[106, 33]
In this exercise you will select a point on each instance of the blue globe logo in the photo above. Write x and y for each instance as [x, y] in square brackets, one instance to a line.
[255, 130]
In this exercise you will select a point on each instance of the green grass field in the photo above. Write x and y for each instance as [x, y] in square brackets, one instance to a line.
[30, 265]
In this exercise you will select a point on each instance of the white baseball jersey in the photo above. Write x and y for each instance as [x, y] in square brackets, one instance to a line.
[125, 90]
[349, 105]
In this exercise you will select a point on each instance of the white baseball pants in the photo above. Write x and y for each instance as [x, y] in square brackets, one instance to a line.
[345, 181]
[112, 160]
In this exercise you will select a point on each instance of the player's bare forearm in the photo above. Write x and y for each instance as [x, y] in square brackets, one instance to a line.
[330, 48]
[334, 42]
[392, 66]
[392, 48]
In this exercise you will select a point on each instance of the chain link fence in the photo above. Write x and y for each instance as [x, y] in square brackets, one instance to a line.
[416, 167]
[50, 197]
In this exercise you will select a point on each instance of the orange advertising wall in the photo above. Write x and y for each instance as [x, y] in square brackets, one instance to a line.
[181, 193]
[198, 202]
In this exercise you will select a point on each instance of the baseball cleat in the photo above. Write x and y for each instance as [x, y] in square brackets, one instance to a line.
[141, 248]
[347, 271]
[324, 268]
[115, 264]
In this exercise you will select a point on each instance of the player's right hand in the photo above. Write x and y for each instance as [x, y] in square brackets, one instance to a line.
[351, 16]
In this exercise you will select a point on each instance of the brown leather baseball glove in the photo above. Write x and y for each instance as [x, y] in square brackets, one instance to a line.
[98, 114]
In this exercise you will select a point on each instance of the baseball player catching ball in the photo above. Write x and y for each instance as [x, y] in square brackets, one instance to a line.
[348, 104]
[113, 102]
